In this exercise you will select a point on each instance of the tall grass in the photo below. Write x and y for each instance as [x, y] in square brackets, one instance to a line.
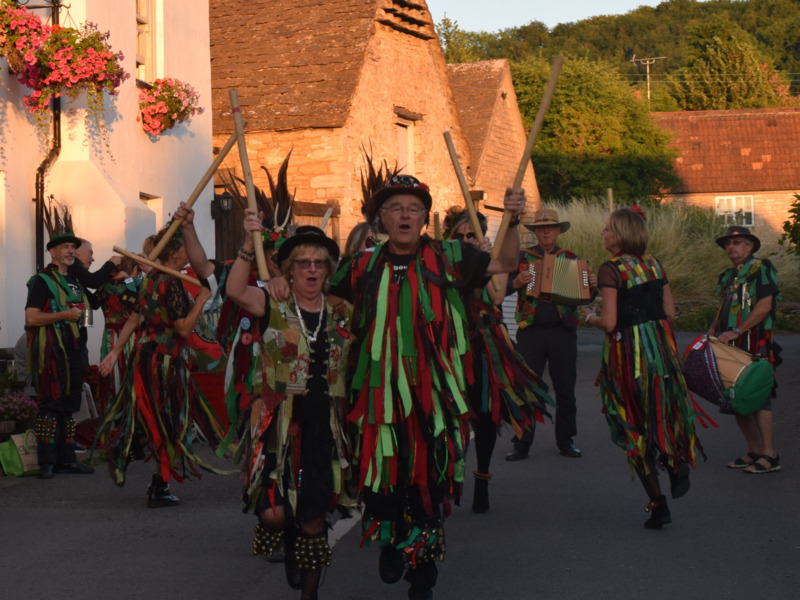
[682, 238]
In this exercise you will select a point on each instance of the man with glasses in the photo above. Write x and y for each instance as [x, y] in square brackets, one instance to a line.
[746, 318]
[548, 334]
[409, 379]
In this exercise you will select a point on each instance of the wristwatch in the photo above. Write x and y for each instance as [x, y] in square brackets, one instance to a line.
[735, 330]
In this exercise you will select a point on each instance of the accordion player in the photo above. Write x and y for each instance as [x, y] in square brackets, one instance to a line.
[556, 278]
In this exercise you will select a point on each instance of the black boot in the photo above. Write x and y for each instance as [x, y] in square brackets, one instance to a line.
[659, 513]
[159, 495]
[679, 479]
[480, 494]
[391, 564]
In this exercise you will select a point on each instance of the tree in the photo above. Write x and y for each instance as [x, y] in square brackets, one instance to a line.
[596, 135]
[724, 71]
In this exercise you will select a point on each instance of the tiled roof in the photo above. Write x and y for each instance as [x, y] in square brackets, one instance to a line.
[736, 150]
[475, 89]
[296, 63]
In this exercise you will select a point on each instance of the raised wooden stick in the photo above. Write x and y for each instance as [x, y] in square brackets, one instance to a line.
[437, 226]
[194, 195]
[238, 122]
[473, 214]
[155, 265]
[526, 154]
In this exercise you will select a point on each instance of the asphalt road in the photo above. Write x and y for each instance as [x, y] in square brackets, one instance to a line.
[557, 528]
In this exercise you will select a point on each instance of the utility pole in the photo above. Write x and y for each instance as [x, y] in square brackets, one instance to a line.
[647, 62]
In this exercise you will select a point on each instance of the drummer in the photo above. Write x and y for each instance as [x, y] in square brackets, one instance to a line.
[748, 292]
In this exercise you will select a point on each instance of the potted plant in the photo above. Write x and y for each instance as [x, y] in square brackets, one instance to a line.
[17, 410]
[168, 103]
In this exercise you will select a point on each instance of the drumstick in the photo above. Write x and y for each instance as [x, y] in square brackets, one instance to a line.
[194, 195]
[238, 123]
[155, 265]
[473, 214]
[526, 154]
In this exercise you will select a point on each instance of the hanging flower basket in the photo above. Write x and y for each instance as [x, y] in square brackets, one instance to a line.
[168, 103]
[21, 34]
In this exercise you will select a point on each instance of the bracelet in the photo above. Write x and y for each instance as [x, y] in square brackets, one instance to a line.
[514, 222]
[589, 316]
[245, 255]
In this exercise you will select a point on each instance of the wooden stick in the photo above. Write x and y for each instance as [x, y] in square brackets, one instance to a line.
[326, 218]
[155, 265]
[473, 214]
[526, 154]
[437, 226]
[238, 122]
[194, 195]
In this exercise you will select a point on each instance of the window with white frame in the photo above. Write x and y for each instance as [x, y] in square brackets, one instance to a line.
[737, 210]
[145, 40]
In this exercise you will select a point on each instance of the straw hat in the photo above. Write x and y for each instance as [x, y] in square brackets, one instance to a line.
[544, 217]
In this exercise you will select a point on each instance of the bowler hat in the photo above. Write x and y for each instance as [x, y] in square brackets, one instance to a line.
[307, 234]
[739, 231]
[545, 217]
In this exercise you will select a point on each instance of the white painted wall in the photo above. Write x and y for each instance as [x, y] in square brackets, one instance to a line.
[103, 193]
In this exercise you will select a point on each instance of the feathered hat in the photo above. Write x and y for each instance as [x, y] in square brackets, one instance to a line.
[59, 226]
[373, 180]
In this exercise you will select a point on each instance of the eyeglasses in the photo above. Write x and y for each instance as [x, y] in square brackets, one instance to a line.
[396, 210]
[305, 263]
[461, 237]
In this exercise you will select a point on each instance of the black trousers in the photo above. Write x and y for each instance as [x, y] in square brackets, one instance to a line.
[62, 406]
[558, 348]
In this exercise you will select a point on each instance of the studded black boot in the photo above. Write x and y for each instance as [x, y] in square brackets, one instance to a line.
[659, 513]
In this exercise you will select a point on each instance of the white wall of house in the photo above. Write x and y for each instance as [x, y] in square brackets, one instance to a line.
[104, 192]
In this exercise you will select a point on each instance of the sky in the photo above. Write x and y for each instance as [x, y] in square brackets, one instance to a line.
[491, 15]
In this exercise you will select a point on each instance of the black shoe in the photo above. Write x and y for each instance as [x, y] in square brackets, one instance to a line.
[159, 494]
[679, 481]
[78, 448]
[418, 593]
[391, 564]
[659, 513]
[75, 468]
[45, 471]
[568, 449]
[517, 454]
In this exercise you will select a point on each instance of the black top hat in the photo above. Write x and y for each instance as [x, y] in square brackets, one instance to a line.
[739, 231]
[403, 184]
[67, 237]
[307, 234]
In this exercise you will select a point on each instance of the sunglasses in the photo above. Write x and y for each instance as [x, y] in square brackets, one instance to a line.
[305, 263]
[461, 237]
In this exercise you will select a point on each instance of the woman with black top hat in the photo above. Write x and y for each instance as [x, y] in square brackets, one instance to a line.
[297, 453]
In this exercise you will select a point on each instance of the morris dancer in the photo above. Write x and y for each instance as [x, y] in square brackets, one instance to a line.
[644, 394]
[409, 383]
[57, 358]
[748, 292]
[297, 452]
[548, 335]
[161, 401]
[503, 389]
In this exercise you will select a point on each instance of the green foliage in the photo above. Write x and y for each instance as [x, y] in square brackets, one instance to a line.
[724, 71]
[597, 133]
[791, 228]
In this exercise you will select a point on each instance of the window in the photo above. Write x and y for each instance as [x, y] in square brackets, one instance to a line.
[405, 146]
[737, 210]
[156, 204]
[145, 40]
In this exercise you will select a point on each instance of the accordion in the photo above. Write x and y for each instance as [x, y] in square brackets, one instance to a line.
[559, 279]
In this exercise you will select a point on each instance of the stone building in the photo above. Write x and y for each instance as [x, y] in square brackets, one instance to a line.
[742, 163]
[325, 79]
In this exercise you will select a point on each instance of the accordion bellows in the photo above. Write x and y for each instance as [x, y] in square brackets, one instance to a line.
[559, 279]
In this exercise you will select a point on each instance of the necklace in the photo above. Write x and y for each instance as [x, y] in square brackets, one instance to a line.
[313, 337]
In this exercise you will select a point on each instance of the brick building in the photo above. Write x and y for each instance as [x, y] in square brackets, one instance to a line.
[324, 78]
[742, 163]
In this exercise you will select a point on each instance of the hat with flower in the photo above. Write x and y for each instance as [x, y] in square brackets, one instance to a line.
[403, 184]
